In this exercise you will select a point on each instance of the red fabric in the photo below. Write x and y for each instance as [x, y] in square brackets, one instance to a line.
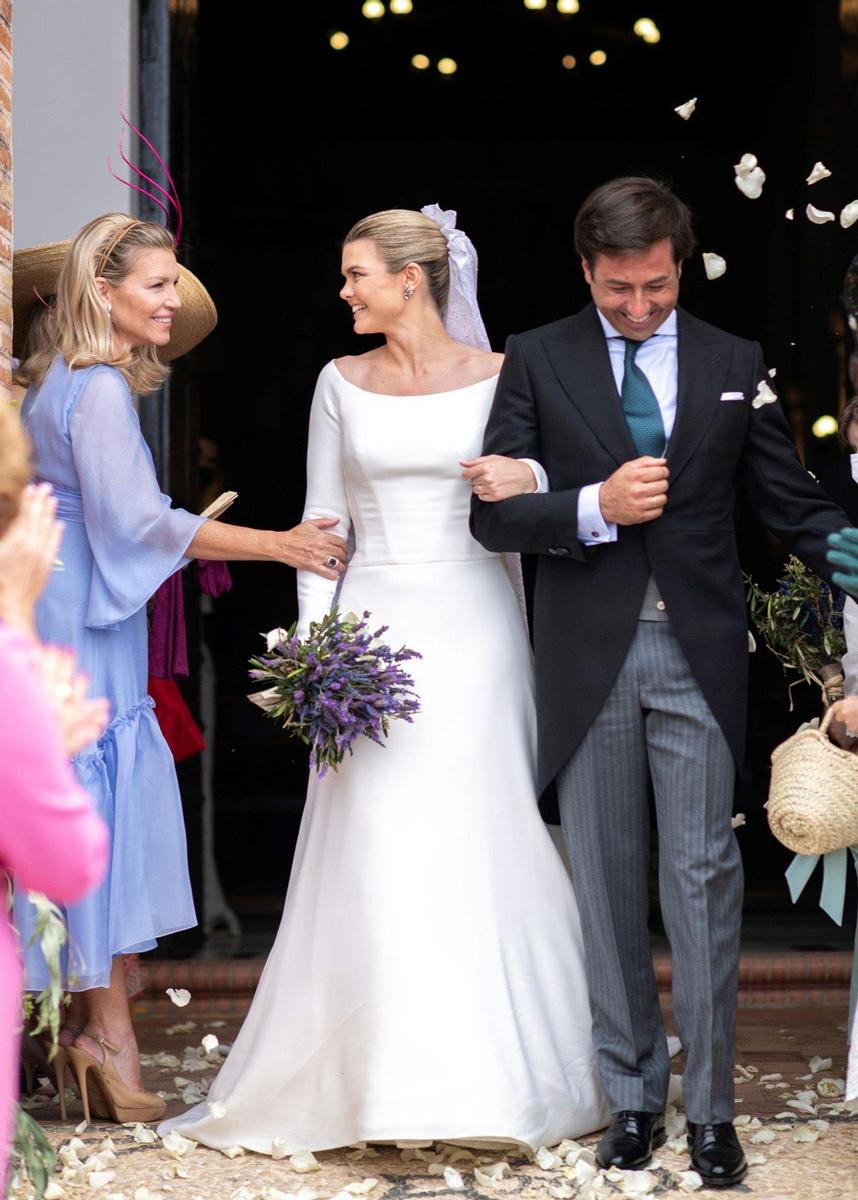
[180, 730]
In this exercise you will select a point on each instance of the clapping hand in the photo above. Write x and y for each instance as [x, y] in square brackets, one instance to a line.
[494, 477]
[28, 551]
[81, 721]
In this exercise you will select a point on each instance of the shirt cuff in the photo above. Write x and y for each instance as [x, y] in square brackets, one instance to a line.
[593, 529]
[539, 475]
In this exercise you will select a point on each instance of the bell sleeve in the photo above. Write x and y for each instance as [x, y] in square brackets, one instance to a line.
[137, 539]
[326, 496]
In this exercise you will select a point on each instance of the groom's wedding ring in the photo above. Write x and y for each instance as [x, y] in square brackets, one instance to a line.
[332, 562]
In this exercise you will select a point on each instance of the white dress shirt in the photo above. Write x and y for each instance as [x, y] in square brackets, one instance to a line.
[657, 359]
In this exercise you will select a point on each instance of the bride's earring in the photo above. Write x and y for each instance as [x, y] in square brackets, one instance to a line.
[408, 292]
[109, 308]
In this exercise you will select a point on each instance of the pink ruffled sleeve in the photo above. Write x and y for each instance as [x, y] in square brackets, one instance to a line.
[50, 836]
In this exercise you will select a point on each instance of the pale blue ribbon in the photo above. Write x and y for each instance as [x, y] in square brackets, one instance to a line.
[833, 895]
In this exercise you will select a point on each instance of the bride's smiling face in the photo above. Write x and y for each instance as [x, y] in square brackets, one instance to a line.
[374, 294]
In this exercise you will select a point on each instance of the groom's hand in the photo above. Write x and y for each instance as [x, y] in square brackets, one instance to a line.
[635, 493]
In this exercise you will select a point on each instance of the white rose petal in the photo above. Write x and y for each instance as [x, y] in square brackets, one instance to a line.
[806, 1097]
[561, 1191]
[82, 1128]
[486, 1181]
[304, 1161]
[742, 1120]
[764, 1137]
[209, 1043]
[745, 165]
[820, 171]
[755, 1159]
[803, 1134]
[53, 1191]
[771, 1078]
[583, 1172]
[232, 1151]
[820, 1126]
[217, 1110]
[831, 1087]
[737, 821]
[547, 1159]
[818, 215]
[849, 214]
[818, 1064]
[363, 1188]
[751, 185]
[638, 1183]
[192, 1094]
[435, 1168]
[785, 1116]
[176, 1145]
[502, 1170]
[800, 1106]
[685, 110]
[453, 1179]
[277, 1148]
[679, 1145]
[764, 395]
[689, 1181]
[790, 214]
[714, 265]
[100, 1179]
[179, 996]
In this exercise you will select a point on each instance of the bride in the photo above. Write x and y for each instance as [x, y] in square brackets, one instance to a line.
[427, 981]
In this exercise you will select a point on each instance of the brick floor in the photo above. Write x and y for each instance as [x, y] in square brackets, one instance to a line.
[793, 1008]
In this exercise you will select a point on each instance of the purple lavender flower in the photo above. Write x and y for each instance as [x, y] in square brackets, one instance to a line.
[341, 683]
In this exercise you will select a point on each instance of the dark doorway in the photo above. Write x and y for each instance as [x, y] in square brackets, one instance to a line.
[283, 142]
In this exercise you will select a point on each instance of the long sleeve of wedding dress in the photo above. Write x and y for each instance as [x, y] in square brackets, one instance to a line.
[326, 496]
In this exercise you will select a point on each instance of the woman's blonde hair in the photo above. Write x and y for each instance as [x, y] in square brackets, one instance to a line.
[78, 327]
[403, 236]
[14, 464]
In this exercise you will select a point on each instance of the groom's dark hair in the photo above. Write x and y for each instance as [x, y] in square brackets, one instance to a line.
[628, 215]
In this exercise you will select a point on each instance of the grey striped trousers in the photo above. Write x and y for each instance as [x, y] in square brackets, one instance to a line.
[656, 725]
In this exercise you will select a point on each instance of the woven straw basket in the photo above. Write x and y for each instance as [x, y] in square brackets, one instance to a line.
[813, 798]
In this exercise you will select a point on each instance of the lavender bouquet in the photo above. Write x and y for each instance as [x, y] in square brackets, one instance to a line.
[340, 682]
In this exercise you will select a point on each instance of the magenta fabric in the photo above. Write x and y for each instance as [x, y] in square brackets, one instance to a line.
[214, 577]
[168, 642]
[51, 838]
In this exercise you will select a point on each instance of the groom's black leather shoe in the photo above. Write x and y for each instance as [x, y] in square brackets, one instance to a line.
[716, 1154]
[630, 1140]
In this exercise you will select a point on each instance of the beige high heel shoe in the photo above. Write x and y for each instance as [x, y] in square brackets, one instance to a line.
[108, 1091]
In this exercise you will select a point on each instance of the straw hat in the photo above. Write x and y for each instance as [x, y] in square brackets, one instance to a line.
[38, 267]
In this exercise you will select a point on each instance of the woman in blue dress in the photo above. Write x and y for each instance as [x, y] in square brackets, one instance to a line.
[123, 306]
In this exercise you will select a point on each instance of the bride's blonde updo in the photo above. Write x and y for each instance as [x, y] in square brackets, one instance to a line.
[403, 236]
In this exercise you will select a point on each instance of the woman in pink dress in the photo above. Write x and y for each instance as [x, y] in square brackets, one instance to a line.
[51, 839]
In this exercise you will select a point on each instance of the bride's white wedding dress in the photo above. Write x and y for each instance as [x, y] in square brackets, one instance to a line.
[427, 981]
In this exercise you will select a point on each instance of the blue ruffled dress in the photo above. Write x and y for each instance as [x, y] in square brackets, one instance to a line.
[121, 541]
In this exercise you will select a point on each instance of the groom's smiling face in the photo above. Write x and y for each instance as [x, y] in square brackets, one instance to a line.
[635, 292]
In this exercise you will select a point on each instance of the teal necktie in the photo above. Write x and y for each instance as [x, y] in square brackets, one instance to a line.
[640, 406]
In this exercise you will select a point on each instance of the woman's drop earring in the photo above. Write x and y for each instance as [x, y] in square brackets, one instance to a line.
[408, 292]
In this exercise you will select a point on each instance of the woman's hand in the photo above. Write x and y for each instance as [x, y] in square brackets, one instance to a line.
[311, 546]
[28, 552]
[494, 477]
[81, 721]
[844, 725]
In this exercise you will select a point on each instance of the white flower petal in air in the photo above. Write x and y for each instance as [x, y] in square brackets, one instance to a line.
[274, 637]
[179, 996]
[304, 1161]
[764, 395]
[547, 1159]
[209, 1043]
[745, 165]
[217, 1110]
[849, 214]
[737, 821]
[752, 644]
[685, 110]
[820, 171]
[454, 1180]
[690, 1181]
[790, 214]
[818, 216]
[714, 265]
[751, 185]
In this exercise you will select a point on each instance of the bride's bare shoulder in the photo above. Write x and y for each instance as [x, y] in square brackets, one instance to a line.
[357, 368]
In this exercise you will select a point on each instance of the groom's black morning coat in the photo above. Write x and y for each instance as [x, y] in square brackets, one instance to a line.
[557, 402]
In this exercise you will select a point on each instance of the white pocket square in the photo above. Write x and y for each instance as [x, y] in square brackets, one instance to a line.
[732, 396]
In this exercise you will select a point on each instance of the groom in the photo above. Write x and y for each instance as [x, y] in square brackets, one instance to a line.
[645, 419]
